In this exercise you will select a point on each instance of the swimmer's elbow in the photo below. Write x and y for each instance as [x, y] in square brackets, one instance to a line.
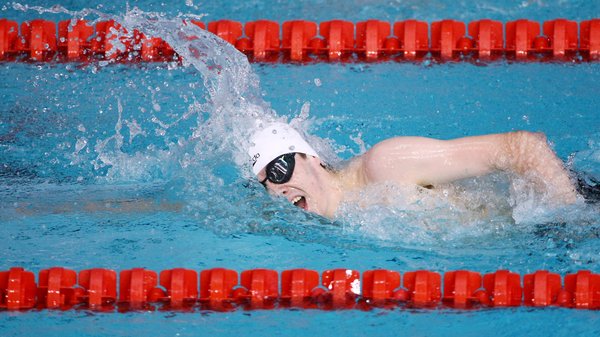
[520, 149]
[532, 157]
[523, 140]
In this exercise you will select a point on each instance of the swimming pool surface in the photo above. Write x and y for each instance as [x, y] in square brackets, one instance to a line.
[123, 166]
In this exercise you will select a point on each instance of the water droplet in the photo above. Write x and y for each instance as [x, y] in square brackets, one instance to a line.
[81, 143]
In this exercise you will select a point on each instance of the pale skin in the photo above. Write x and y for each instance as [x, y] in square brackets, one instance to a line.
[427, 162]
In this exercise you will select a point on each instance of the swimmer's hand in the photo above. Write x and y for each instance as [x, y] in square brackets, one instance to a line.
[426, 161]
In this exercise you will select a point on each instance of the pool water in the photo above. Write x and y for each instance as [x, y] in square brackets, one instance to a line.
[122, 166]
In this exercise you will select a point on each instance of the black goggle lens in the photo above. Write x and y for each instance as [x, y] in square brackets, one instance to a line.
[280, 170]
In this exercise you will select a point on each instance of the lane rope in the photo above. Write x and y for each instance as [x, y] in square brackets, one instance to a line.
[306, 41]
[223, 289]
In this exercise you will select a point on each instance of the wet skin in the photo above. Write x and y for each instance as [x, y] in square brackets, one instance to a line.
[427, 162]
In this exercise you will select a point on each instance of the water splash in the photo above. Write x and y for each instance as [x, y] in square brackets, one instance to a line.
[229, 94]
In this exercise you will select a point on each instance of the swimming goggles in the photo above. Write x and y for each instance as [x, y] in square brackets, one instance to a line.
[280, 169]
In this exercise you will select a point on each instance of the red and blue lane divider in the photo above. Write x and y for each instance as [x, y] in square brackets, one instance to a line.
[302, 40]
[224, 290]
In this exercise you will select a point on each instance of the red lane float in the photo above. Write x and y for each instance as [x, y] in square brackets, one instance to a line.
[9, 31]
[445, 37]
[221, 289]
[381, 286]
[110, 41]
[138, 286]
[520, 36]
[17, 289]
[338, 39]
[461, 288]
[56, 288]
[299, 286]
[424, 288]
[583, 290]
[343, 287]
[263, 40]
[181, 286]
[562, 36]
[296, 37]
[228, 30]
[590, 39]
[503, 288]
[541, 288]
[99, 287]
[38, 39]
[303, 40]
[489, 38]
[74, 39]
[370, 38]
[260, 288]
[217, 284]
[413, 38]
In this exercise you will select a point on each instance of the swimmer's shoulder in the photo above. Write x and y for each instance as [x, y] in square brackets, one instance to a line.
[375, 164]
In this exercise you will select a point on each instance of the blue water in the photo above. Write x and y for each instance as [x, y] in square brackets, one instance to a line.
[113, 166]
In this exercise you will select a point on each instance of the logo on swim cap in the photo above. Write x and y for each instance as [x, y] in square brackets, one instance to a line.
[274, 140]
[255, 158]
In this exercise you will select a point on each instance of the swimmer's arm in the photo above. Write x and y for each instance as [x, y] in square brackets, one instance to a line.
[426, 161]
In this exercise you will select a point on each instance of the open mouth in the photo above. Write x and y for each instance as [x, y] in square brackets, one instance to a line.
[300, 201]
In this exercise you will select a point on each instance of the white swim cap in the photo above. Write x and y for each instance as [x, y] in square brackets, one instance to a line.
[274, 140]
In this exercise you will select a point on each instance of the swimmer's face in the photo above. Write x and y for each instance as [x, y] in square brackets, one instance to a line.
[308, 187]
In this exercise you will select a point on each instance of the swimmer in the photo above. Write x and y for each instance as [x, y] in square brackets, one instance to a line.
[288, 166]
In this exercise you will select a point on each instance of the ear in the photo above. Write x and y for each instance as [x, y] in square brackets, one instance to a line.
[317, 162]
[313, 161]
